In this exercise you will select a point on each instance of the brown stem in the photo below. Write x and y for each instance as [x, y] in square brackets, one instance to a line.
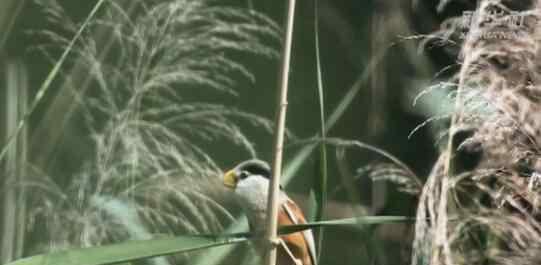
[281, 109]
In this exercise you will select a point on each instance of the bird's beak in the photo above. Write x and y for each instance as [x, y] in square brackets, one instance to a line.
[231, 179]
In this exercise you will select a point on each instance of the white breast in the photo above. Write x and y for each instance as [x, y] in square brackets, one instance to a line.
[251, 194]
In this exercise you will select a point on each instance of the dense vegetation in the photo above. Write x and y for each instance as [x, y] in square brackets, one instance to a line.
[146, 103]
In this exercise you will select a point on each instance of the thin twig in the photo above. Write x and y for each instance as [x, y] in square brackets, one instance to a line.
[281, 109]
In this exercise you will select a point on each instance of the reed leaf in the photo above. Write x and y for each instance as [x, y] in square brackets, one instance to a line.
[321, 185]
[143, 249]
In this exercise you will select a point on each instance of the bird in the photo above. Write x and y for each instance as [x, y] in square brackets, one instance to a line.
[250, 182]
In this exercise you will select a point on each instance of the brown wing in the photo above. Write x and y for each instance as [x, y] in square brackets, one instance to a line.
[300, 244]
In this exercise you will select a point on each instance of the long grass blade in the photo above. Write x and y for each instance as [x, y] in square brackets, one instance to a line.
[321, 188]
[143, 249]
[354, 221]
[129, 251]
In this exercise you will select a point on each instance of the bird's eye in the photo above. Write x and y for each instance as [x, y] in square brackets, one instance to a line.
[243, 175]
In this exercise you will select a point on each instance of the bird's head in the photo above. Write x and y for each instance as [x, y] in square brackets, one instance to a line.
[249, 181]
[248, 172]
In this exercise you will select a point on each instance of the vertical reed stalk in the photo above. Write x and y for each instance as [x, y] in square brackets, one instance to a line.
[13, 197]
[22, 158]
[281, 109]
[9, 196]
[11, 237]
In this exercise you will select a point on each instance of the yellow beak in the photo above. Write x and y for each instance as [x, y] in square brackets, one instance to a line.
[230, 179]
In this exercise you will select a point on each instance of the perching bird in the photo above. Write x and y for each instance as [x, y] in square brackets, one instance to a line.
[250, 182]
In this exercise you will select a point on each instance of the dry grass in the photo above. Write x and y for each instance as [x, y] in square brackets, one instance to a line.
[486, 211]
[150, 172]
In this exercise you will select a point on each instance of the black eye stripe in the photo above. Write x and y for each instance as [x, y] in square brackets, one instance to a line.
[257, 171]
[243, 174]
[253, 167]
